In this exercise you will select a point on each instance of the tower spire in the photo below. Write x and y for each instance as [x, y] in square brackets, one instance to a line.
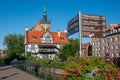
[45, 15]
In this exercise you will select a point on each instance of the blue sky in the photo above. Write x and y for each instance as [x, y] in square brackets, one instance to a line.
[15, 14]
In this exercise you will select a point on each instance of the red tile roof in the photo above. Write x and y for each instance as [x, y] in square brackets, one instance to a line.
[39, 34]
[112, 27]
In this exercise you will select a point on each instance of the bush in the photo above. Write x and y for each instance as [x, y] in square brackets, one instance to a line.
[56, 63]
[77, 69]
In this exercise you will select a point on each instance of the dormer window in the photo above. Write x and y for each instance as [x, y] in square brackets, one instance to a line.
[62, 39]
[34, 38]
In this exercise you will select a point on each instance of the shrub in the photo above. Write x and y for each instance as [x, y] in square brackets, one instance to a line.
[77, 69]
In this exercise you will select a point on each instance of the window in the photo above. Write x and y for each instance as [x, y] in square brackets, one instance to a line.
[117, 38]
[103, 40]
[118, 54]
[62, 39]
[99, 42]
[113, 54]
[107, 50]
[93, 49]
[107, 44]
[96, 49]
[99, 49]
[111, 39]
[117, 46]
[112, 47]
[34, 38]
[95, 43]
[98, 54]
[107, 39]
[103, 47]
[32, 47]
[114, 31]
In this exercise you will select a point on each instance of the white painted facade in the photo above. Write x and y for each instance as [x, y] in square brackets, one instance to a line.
[35, 50]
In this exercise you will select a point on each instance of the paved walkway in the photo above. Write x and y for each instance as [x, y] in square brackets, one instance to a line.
[10, 73]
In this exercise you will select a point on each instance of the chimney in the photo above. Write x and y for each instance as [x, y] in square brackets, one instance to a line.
[26, 28]
[65, 31]
[58, 32]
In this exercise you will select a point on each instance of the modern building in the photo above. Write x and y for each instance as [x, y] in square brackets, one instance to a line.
[42, 42]
[108, 45]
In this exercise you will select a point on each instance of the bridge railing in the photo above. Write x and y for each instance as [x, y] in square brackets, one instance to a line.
[41, 71]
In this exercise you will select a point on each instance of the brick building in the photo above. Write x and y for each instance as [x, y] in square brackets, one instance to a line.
[108, 45]
[87, 49]
[42, 42]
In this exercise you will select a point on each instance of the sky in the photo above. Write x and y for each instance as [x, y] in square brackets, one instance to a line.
[16, 14]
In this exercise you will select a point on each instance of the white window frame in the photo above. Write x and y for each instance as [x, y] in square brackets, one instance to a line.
[107, 44]
[112, 47]
[111, 39]
[117, 38]
[99, 49]
[96, 49]
[117, 46]
[103, 41]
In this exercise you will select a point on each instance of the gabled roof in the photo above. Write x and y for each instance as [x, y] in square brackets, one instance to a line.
[112, 27]
[62, 39]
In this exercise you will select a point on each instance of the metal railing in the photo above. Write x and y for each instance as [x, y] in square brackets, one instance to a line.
[40, 71]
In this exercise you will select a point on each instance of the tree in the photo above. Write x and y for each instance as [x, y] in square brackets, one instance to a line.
[69, 49]
[14, 46]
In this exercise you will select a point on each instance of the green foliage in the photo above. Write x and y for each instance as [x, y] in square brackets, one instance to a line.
[76, 69]
[69, 49]
[29, 57]
[56, 63]
[2, 60]
[45, 61]
[14, 45]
